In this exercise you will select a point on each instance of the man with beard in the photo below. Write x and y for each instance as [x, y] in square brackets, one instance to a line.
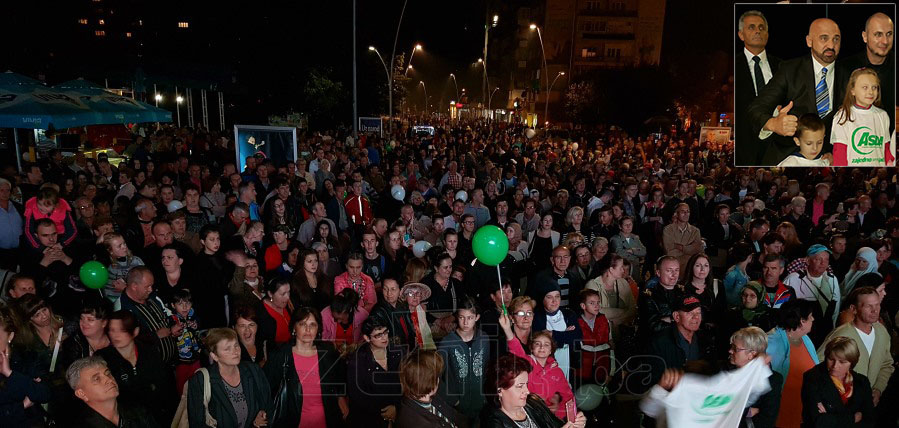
[808, 84]
[878, 55]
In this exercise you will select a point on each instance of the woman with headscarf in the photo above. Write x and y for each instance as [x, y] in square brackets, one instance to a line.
[752, 311]
[865, 262]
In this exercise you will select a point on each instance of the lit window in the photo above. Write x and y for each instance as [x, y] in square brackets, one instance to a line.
[183, 24]
[82, 21]
[102, 22]
[99, 33]
[128, 34]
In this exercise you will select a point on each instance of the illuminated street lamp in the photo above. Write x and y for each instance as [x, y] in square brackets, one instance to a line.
[548, 91]
[158, 98]
[453, 76]
[543, 51]
[414, 49]
[178, 101]
[490, 100]
[389, 81]
[422, 83]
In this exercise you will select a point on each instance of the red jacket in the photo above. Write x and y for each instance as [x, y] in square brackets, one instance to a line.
[547, 380]
[272, 258]
[353, 214]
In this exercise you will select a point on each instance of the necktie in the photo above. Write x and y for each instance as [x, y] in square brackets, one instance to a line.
[822, 99]
[759, 78]
[433, 409]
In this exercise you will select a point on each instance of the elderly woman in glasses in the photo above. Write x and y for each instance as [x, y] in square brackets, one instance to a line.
[745, 345]
[373, 384]
[413, 326]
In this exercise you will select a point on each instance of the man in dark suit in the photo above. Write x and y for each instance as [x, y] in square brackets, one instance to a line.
[868, 220]
[807, 84]
[754, 69]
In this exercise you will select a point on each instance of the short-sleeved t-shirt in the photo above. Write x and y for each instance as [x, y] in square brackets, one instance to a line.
[866, 137]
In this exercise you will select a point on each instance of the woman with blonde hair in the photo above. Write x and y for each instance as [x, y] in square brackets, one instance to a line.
[574, 223]
[835, 395]
[416, 270]
[121, 261]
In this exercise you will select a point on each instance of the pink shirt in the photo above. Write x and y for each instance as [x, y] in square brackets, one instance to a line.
[365, 287]
[817, 212]
[313, 411]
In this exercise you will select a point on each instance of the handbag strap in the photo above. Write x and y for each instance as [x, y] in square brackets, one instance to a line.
[207, 395]
[56, 350]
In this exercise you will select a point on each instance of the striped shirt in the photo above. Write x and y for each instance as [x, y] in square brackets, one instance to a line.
[152, 317]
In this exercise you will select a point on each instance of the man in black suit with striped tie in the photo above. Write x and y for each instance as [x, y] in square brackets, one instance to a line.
[808, 84]
[754, 68]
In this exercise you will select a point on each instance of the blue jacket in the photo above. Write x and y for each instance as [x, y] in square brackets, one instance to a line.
[779, 350]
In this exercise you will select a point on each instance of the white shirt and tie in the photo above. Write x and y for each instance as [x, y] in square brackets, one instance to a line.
[828, 78]
[763, 63]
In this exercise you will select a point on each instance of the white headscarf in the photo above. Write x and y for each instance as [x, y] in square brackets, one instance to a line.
[869, 255]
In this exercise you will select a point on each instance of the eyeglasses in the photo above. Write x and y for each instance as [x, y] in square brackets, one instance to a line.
[380, 335]
[413, 294]
[524, 313]
[736, 349]
[468, 222]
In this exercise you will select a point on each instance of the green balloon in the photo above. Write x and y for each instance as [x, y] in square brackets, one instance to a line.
[93, 274]
[490, 245]
[589, 396]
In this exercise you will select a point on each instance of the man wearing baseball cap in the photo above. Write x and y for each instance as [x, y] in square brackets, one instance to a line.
[682, 342]
[816, 284]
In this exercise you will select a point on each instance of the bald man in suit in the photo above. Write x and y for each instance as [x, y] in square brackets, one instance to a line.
[808, 84]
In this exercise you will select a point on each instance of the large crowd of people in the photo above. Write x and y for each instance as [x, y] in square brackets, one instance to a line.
[292, 293]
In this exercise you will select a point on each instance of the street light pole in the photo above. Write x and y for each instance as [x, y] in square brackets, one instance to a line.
[456, 85]
[422, 83]
[393, 61]
[543, 52]
[411, 54]
[490, 100]
[355, 93]
[178, 101]
[387, 70]
[548, 91]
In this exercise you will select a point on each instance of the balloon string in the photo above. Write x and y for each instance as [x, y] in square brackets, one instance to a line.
[501, 296]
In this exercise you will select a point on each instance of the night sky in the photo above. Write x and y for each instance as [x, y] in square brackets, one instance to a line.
[268, 47]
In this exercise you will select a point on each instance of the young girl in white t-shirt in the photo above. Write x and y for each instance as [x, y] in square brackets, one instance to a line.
[861, 131]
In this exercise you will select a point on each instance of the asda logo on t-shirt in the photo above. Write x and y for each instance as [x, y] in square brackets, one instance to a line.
[864, 142]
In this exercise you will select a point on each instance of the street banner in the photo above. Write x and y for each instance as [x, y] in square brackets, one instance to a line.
[717, 134]
[371, 124]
